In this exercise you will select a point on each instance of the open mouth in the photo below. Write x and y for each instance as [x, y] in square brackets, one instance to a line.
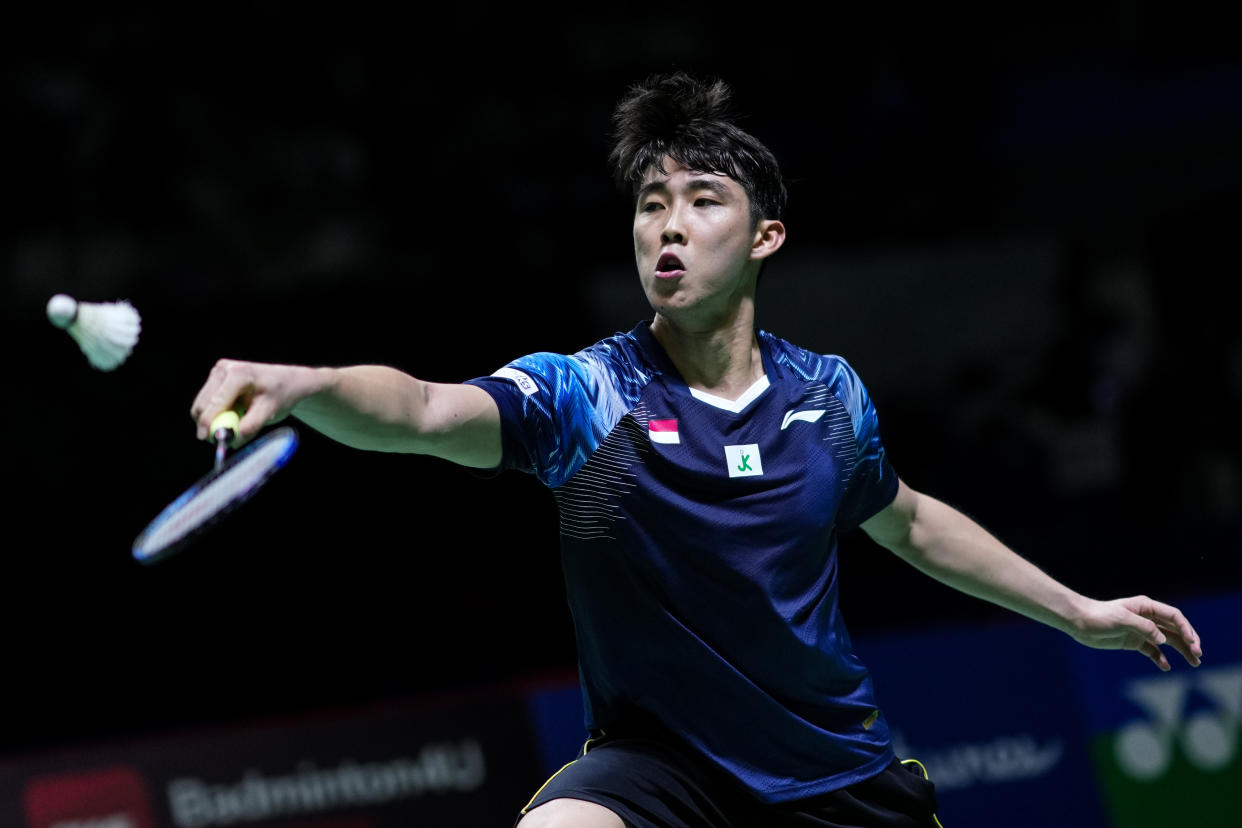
[668, 265]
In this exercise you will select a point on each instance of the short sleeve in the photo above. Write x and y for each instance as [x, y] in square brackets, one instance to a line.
[547, 406]
[872, 483]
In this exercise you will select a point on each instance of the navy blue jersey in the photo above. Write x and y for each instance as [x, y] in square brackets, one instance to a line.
[699, 544]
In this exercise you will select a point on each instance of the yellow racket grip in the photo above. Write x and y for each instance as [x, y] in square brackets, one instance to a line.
[226, 421]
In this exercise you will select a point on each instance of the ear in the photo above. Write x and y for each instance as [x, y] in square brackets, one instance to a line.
[769, 236]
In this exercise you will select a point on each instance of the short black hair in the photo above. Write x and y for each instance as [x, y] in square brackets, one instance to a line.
[688, 119]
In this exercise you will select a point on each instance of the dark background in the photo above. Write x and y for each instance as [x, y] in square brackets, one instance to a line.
[1019, 226]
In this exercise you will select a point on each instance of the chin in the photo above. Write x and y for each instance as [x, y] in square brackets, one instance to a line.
[665, 306]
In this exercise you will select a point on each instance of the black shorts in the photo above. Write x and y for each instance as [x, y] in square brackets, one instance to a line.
[655, 783]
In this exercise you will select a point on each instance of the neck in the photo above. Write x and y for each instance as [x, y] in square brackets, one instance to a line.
[723, 360]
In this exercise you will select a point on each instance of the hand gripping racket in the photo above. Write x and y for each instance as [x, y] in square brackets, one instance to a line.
[231, 483]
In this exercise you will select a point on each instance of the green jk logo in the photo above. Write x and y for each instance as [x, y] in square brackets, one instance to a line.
[743, 461]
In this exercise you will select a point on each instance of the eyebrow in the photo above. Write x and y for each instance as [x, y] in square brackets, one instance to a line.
[706, 181]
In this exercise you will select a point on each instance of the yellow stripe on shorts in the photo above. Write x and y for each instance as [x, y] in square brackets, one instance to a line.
[923, 768]
[585, 748]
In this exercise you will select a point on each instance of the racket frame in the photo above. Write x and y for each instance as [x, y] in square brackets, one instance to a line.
[286, 434]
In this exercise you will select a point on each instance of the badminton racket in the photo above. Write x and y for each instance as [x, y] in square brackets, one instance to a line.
[232, 481]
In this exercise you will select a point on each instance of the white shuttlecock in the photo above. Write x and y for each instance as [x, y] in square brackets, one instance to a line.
[105, 331]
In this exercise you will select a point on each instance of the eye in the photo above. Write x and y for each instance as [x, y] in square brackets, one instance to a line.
[651, 207]
[704, 201]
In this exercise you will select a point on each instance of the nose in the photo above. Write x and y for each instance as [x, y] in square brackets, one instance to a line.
[674, 231]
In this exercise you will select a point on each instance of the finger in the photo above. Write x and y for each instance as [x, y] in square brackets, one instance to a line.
[1148, 640]
[260, 411]
[1154, 653]
[1189, 649]
[1157, 611]
[1171, 618]
[1173, 621]
[216, 376]
[1147, 629]
[234, 388]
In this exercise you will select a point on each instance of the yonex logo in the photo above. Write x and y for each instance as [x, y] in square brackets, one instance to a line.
[1144, 748]
[801, 416]
[743, 461]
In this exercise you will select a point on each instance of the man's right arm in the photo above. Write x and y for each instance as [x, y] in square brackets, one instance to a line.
[365, 406]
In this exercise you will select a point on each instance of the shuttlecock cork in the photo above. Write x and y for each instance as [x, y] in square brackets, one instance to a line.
[105, 331]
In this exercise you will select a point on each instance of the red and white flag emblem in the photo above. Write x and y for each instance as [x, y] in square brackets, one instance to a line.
[663, 431]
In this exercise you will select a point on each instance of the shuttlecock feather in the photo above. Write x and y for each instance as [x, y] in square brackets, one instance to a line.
[105, 331]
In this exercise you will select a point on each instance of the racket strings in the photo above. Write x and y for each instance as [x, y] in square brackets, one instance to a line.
[229, 485]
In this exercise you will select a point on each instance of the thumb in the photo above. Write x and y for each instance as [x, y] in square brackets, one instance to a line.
[261, 411]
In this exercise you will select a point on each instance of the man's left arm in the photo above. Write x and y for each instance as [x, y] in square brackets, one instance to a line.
[955, 550]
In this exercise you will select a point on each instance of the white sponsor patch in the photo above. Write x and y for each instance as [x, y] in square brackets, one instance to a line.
[524, 382]
[743, 461]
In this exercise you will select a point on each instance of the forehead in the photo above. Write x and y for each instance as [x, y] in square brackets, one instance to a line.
[676, 175]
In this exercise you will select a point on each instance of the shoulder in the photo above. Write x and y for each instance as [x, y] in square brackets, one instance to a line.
[618, 361]
[622, 348]
[610, 374]
[831, 369]
[589, 360]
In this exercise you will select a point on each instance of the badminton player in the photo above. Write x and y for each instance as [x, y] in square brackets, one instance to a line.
[703, 473]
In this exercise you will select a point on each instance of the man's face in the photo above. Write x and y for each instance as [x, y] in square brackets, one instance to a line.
[693, 242]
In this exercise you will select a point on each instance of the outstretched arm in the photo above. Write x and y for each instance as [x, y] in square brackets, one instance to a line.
[953, 549]
[365, 406]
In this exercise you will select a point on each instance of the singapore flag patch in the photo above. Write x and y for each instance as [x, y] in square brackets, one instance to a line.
[663, 431]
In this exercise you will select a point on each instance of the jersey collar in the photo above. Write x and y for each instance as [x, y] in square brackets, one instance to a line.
[659, 359]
